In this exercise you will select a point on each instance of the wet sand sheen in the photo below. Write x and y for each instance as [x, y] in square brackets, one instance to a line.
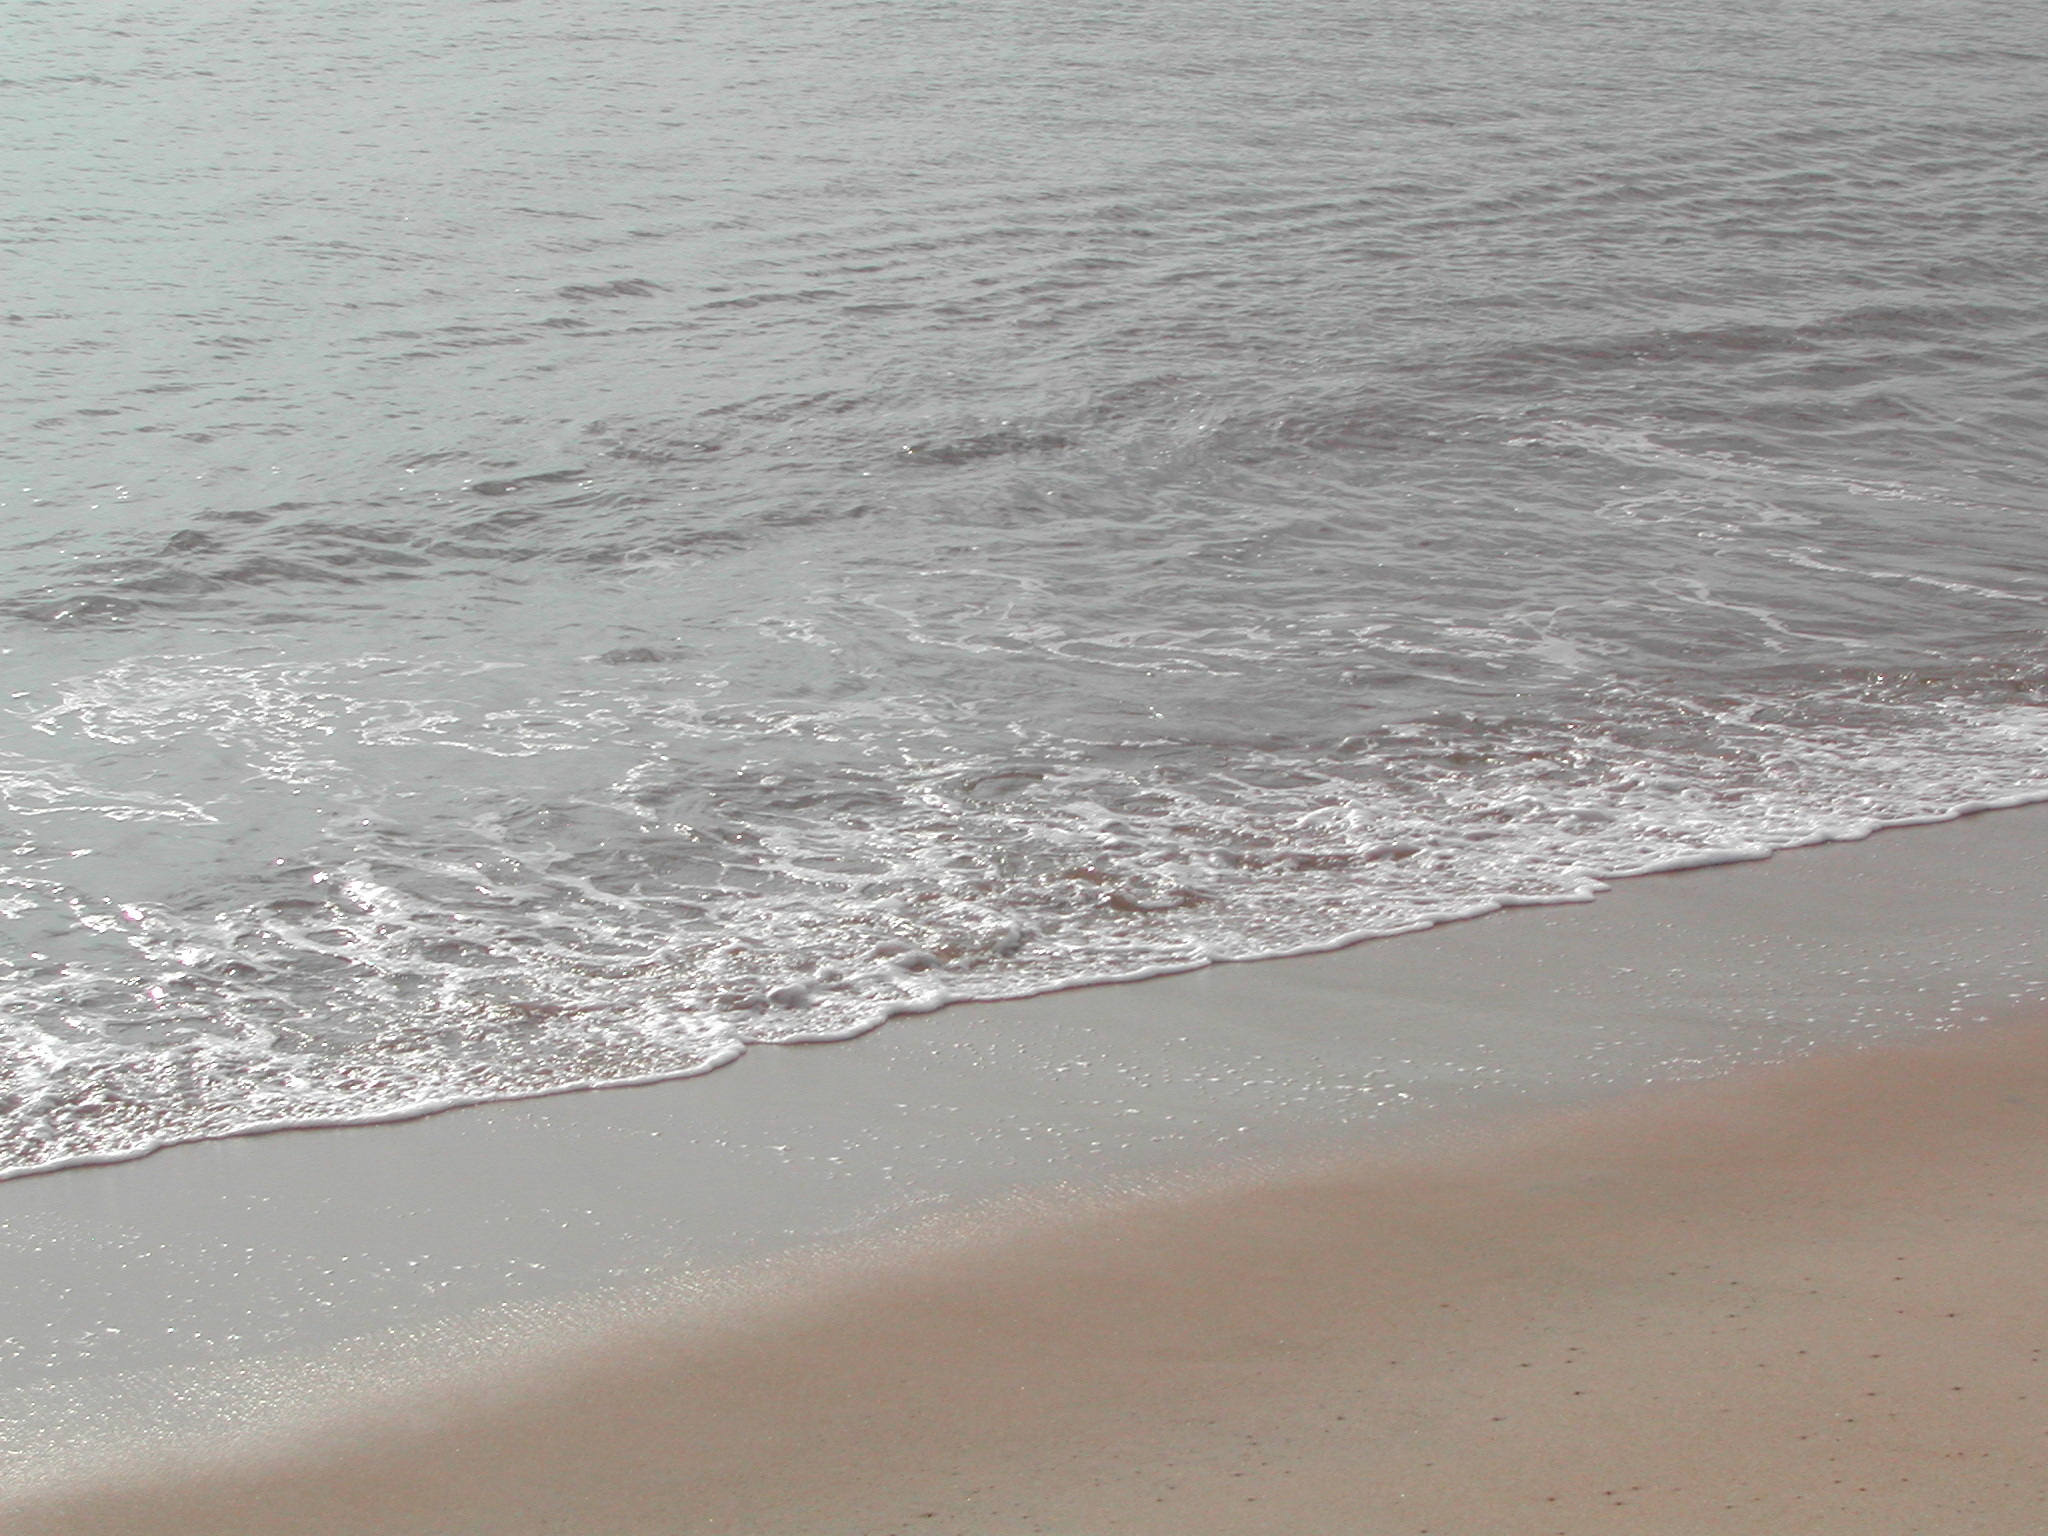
[1812, 1297]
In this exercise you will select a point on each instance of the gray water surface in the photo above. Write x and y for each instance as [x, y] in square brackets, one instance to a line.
[550, 543]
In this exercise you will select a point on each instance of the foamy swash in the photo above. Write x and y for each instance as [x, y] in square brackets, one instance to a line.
[642, 550]
[394, 983]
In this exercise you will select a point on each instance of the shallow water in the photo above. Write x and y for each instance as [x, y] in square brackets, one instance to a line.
[549, 546]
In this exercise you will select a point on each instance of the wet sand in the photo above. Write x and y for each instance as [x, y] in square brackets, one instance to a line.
[1802, 1297]
[1810, 1298]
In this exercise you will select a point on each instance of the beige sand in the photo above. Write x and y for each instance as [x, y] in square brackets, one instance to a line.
[1809, 1299]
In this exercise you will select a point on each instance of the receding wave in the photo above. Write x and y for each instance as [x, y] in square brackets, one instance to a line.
[436, 948]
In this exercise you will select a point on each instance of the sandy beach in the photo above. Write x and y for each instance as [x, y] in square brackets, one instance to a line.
[1810, 1299]
[1803, 1294]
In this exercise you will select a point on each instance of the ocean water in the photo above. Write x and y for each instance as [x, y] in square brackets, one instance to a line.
[549, 544]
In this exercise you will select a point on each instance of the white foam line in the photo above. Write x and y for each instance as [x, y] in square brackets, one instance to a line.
[1590, 886]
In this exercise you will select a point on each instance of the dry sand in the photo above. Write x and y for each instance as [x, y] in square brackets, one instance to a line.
[1810, 1298]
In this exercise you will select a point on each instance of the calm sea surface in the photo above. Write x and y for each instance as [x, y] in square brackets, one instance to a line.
[547, 543]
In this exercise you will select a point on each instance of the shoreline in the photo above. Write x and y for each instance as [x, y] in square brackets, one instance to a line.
[1590, 888]
[311, 1276]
